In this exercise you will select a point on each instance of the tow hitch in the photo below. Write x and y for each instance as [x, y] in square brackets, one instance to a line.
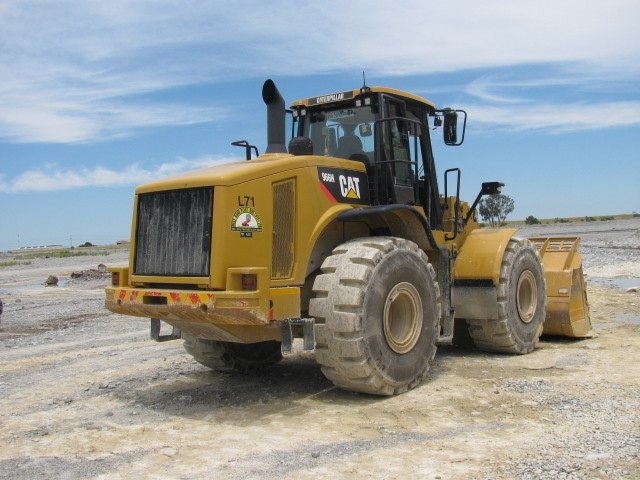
[155, 332]
[298, 328]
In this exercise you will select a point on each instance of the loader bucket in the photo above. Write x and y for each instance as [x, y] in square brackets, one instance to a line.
[567, 305]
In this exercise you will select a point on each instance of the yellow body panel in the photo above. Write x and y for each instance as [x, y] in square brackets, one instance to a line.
[220, 309]
[480, 255]
[236, 184]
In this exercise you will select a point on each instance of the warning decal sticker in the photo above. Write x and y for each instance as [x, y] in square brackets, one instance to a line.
[246, 219]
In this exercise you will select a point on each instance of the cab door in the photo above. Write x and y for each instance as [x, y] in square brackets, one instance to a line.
[396, 160]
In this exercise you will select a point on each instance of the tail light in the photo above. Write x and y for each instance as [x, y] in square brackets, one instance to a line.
[249, 281]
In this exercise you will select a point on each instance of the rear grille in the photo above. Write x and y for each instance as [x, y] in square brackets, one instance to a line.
[173, 234]
[283, 216]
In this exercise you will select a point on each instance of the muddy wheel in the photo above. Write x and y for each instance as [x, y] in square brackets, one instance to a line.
[228, 356]
[521, 303]
[377, 311]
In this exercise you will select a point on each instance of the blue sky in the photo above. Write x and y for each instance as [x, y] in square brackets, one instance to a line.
[97, 97]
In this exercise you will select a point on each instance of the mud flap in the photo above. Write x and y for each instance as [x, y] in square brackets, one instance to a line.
[567, 304]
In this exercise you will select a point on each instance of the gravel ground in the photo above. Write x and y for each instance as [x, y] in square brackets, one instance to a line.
[610, 249]
[85, 394]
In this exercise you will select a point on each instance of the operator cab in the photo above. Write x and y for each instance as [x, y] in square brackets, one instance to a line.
[385, 129]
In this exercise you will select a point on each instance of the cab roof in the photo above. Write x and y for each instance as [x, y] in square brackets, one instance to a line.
[349, 94]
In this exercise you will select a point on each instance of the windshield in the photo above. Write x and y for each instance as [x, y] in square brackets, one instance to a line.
[341, 132]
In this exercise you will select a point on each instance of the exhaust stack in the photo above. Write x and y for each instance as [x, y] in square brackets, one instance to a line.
[275, 118]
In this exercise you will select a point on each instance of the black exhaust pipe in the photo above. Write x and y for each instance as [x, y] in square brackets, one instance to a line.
[275, 118]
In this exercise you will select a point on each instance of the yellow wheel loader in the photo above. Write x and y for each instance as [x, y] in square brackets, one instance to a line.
[342, 238]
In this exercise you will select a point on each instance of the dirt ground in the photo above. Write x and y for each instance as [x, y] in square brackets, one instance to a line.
[86, 394]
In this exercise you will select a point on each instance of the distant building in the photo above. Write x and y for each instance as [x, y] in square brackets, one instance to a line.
[38, 248]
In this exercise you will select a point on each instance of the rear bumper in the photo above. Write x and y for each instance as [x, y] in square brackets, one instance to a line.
[221, 315]
[187, 305]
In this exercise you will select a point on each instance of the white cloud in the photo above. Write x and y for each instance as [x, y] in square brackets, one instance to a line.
[524, 103]
[70, 69]
[54, 178]
[557, 118]
[424, 36]
[483, 89]
[68, 114]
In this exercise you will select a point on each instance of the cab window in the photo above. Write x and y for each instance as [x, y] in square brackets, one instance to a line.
[341, 132]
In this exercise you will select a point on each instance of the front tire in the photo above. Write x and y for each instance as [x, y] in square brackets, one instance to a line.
[521, 303]
[377, 312]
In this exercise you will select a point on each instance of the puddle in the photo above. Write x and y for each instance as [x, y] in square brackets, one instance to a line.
[629, 318]
[34, 287]
[622, 283]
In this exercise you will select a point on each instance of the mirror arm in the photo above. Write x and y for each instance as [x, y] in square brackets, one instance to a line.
[488, 188]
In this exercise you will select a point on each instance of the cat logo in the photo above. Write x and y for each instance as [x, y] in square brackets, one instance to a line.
[344, 186]
[349, 187]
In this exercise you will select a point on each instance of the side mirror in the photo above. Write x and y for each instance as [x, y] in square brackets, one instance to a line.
[450, 130]
[449, 120]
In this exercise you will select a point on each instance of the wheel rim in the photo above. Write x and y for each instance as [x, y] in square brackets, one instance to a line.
[527, 296]
[402, 317]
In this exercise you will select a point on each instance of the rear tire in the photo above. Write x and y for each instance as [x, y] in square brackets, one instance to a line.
[521, 303]
[229, 356]
[377, 312]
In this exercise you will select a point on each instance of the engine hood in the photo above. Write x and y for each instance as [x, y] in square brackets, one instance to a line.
[228, 174]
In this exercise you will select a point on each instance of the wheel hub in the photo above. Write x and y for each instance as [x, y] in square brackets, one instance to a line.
[527, 296]
[402, 317]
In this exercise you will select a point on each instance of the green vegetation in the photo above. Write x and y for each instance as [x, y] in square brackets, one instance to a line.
[24, 256]
[63, 254]
[587, 218]
[13, 263]
[584, 219]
